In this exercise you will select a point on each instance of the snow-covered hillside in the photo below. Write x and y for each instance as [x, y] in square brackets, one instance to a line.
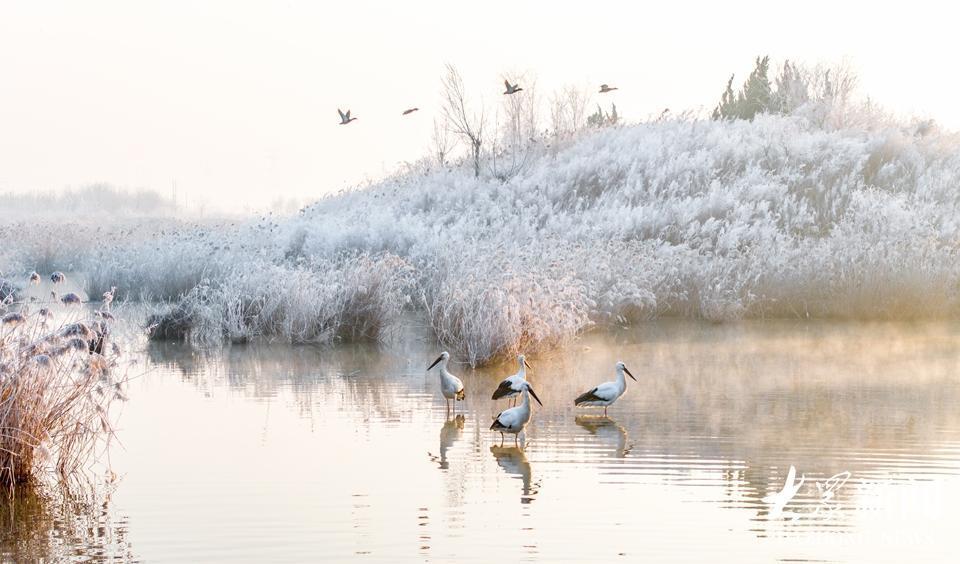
[712, 219]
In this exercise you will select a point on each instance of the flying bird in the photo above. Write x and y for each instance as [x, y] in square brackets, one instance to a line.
[511, 88]
[57, 277]
[513, 420]
[34, 278]
[345, 117]
[607, 393]
[604, 88]
[450, 386]
[410, 111]
[513, 385]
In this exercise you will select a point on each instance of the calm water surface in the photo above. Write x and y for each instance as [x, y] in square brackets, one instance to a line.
[276, 453]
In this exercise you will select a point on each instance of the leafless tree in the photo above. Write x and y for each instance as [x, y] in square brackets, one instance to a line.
[520, 134]
[568, 111]
[463, 120]
[522, 114]
[443, 142]
[835, 83]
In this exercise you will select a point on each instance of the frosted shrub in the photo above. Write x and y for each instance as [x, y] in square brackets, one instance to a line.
[486, 303]
[349, 297]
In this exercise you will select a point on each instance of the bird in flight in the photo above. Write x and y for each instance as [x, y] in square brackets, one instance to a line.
[604, 88]
[410, 111]
[345, 117]
[511, 88]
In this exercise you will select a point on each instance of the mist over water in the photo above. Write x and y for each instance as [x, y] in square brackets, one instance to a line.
[218, 301]
[272, 452]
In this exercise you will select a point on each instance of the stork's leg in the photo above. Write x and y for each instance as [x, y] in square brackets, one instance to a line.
[605, 411]
[516, 440]
[501, 438]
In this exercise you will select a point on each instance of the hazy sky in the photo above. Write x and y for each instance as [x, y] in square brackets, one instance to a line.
[237, 101]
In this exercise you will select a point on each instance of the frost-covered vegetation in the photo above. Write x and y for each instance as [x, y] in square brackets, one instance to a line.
[823, 208]
[57, 383]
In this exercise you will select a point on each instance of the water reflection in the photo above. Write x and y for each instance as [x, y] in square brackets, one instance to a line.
[449, 433]
[720, 414]
[514, 461]
[608, 430]
[56, 522]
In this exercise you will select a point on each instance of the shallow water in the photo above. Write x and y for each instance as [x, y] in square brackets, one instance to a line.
[276, 453]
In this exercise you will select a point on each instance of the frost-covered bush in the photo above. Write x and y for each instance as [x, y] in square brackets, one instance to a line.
[486, 301]
[348, 297]
[856, 216]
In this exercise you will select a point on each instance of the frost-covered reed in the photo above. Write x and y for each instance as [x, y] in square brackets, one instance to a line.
[55, 395]
[351, 297]
[823, 213]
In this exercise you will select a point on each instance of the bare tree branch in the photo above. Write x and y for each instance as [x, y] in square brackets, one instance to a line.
[467, 124]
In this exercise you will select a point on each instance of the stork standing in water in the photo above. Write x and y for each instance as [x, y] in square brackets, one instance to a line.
[513, 420]
[608, 392]
[512, 386]
[450, 386]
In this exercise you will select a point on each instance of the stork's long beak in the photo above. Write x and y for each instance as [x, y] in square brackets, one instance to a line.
[534, 394]
[627, 370]
[439, 358]
[527, 364]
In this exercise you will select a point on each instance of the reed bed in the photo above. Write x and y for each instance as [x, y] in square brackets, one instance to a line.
[57, 386]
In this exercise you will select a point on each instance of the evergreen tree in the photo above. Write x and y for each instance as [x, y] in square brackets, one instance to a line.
[603, 119]
[596, 119]
[792, 91]
[755, 95]
[727, 108]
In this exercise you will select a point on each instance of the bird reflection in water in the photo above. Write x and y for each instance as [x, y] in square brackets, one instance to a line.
[514, 461]
[607, 429]
[449, 433]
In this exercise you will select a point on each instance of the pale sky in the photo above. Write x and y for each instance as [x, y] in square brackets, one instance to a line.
[237, 101]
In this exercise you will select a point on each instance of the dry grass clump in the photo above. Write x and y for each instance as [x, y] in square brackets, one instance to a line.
[173, 323]
[55, 395]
